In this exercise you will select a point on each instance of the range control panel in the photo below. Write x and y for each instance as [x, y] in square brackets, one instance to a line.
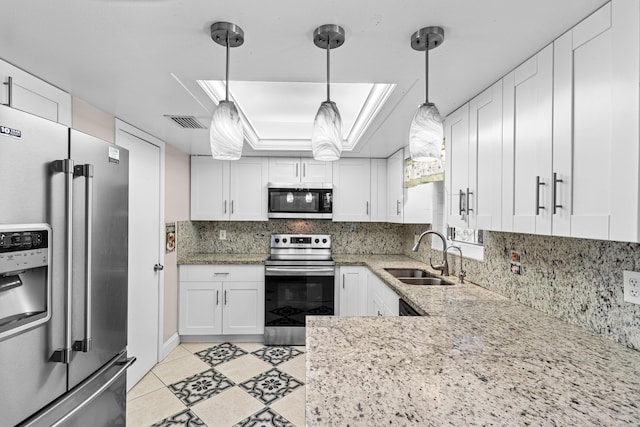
[313, 241]
[23, 248]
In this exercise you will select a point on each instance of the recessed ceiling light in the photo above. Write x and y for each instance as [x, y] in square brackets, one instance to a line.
[278, 116]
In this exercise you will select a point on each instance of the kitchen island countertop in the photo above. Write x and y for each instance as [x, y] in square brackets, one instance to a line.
[477, 359]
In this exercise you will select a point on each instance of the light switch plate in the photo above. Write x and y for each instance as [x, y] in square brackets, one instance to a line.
[223, 234]
[631, 286]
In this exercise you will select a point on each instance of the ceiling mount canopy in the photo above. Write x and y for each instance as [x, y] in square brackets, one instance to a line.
[426, 133]
[225, 133]
[326, 139]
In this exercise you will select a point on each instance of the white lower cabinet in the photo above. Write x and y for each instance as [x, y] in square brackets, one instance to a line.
[383, 301]
[221, 300]
[353, 291]
[362, 293]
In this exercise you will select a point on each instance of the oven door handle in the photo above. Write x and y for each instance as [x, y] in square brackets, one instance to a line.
[299, 271]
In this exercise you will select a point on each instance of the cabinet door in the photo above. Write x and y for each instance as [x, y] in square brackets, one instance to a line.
[35, 96]
[485, 159]
[351, 190]
[353, 291]
[583, 131]
[284, 170]
[209, 189]
[456, 134]
[383, 301]
[527, 145]
[317, 171]
[200, 311]
[395, 178]
[378, 205]
[248, 189]
[243, 308]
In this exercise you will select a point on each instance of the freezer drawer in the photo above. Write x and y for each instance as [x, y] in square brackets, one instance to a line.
[98, 401]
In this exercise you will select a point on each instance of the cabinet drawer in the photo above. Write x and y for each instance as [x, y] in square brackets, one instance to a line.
[221, 273]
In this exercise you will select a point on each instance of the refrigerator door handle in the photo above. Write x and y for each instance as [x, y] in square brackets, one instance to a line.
[63, 355]
[74, 402]
[86, 172]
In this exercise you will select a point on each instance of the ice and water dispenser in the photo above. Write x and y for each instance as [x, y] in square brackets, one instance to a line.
[25, 277]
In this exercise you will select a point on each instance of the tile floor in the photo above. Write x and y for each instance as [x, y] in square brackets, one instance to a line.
[222, 384]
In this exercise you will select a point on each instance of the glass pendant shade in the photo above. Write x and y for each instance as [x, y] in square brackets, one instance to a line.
[326, 140]
[225, 133]
[426, 134]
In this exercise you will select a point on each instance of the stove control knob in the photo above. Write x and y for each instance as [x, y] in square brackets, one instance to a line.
[324, 240]
[277, 240]
[317, 240]
[284, 240]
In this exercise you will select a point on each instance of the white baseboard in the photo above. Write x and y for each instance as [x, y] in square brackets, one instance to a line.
[169, 345]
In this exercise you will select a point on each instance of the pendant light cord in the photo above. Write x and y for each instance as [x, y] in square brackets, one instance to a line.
[328, 65]
[226, 97]
[426, 67]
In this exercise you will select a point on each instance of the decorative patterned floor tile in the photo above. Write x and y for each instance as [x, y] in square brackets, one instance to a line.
[271, 385]
[200, 387]
[265, 418]
[220, 353]
[184, 418]
[277, 354]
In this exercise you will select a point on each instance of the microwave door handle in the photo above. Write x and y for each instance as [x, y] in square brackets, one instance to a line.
[86, 172]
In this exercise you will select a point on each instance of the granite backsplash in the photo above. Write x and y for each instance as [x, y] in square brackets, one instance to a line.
[577, 280]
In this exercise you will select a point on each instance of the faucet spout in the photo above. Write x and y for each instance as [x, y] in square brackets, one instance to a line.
[462, 274]
[444, 267]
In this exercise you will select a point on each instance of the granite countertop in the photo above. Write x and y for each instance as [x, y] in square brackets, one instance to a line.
[476, 359]
[221, 258]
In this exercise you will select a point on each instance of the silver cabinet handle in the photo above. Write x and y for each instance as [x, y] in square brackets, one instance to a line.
[63, 355]
[158, 267]
[217, 297]
[467, 205]
[9, 84]
[86, 172]
[367, 208]
[304, 170]
[554, 192]
[460, 208]
[225, 297]
[538, 184]
[219, 273]
[397, 207]
[297, 166]
[232, 207]
[342, 280]
[225, 206]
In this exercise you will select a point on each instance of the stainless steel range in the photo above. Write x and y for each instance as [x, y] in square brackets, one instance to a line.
[299, 281]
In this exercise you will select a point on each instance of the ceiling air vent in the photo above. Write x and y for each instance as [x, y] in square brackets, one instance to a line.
[186, 122]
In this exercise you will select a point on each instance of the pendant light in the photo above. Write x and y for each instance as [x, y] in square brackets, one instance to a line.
[326, 139]
[225, 133]
[427, 132]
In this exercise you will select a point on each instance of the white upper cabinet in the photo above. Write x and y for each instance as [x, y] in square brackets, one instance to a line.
[26, 92]
[378, 205]
[229, 190]
[581, 184]
[527, 145]
[294, 170]
[352, 190]
[456, 134]
[395, 187]
[473, 135]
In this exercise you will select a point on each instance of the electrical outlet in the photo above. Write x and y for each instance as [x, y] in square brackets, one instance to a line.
[631, 286]
[223, 234]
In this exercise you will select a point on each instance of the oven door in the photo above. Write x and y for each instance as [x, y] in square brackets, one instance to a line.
[292, 293]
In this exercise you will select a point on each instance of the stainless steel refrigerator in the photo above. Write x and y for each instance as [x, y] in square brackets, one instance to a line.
[63, 275]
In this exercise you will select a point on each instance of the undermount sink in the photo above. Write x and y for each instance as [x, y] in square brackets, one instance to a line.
[414, 276]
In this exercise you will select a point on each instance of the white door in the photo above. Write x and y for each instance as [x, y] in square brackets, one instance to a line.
[351, 190]
[248, 189]
[243, 308]
[144, 253]
[456, 131]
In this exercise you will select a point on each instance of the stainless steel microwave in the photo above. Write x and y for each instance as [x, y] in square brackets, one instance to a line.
[292, 201]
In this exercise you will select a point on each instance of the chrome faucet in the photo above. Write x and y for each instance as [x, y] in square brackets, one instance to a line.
[444, 267]
[461, 274]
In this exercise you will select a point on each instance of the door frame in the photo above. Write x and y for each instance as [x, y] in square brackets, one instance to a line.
[123, 126]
